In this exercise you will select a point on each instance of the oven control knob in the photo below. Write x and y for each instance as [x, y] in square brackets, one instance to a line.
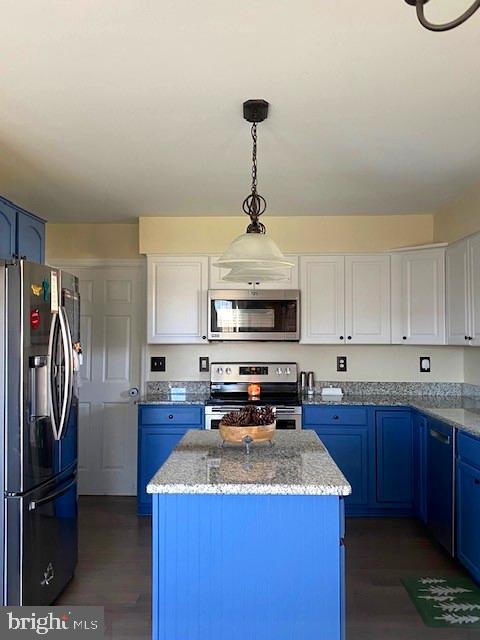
[279, 371]
[288, 371]
[228, 371]
[219, 371]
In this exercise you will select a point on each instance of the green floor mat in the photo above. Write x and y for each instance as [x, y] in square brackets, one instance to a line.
[445, 602]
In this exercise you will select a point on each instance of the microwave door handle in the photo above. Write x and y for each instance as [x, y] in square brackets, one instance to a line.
[68, 371]
[53, 399]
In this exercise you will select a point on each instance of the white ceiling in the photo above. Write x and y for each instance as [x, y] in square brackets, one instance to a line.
[112, 109]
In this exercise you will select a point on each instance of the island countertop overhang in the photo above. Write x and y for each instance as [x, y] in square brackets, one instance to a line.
[297, 464]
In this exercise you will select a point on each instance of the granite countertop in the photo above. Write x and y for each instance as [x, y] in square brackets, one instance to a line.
[296, 464]
[458, 411]
[462, 412]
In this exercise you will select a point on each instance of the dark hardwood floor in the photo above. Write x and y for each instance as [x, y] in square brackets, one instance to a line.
[114, 571]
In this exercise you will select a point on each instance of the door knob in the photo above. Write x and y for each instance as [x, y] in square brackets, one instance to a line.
[133, 392]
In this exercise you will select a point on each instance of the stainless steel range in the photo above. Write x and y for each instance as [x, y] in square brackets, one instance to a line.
[235, 384]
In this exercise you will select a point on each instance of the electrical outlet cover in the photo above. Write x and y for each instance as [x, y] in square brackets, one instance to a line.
[425, 365]
[341, 363]
[158, 363]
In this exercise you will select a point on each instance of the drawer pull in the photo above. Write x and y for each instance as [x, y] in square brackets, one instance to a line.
[170, 417]
[336, 417]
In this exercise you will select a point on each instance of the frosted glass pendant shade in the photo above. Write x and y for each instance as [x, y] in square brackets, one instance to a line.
[256, 274]
[253, 248]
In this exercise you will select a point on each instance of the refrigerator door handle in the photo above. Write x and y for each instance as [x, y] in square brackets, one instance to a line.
[52, 374]
[68, 373]
[37, 503]
[67, 345]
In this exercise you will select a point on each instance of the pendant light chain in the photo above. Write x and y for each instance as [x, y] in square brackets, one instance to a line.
[419, 4]
[254, 204]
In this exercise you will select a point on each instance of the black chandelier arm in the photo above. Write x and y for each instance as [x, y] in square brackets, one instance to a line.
[447, 25]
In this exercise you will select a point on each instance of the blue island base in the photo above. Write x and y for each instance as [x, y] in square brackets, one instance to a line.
[248, 567]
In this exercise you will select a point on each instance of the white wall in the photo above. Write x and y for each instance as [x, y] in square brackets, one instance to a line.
[386, 363]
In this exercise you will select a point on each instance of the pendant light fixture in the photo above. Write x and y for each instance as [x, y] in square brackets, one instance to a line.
[447, 25]
[254, 256]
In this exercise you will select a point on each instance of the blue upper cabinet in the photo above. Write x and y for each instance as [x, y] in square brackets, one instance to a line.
[30, 237]
[8, 225]
[394, 458]
[21, 234]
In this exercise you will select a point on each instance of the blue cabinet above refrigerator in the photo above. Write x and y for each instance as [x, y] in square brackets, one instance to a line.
[22, 234]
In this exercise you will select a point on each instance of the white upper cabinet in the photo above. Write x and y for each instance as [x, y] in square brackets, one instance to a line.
[217, 273]
[345, 299]
[474, 264]
[322, 285]
[458, 321]
[177, 299]
[418, 297]
[367, 299]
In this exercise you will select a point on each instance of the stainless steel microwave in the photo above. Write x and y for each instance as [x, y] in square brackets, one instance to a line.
[254, 314]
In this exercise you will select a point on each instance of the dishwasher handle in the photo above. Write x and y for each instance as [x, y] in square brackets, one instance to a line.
[441, 437]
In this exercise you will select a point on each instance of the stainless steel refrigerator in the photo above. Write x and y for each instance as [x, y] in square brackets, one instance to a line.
[39, 340]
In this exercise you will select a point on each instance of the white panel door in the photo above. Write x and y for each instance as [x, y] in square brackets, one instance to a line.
[112, 319]
[217, 273]
[457, 293]
[367, 299]
[474, 260]
[177, 299]
[322, 284]
[418, 297]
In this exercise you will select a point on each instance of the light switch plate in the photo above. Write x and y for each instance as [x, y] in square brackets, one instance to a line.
[425, 366]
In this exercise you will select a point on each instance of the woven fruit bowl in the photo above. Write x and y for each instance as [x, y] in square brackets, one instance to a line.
[258, 433]
[250, 424]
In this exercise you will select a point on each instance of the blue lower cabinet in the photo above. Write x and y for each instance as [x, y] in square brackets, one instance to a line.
[349, 446]
[394, 468]
[440, 479]
[247, 567]
[157, 441]
[420, 466]
[468, 504]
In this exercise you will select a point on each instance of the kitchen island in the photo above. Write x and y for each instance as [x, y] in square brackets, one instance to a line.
[248, 546]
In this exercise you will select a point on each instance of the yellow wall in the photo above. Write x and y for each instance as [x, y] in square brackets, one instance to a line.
[383, 363]
[300, 234]
[472, 365]
[92, 241]
[460, 219]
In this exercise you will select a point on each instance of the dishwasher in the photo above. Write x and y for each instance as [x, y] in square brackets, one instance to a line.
[441, 483]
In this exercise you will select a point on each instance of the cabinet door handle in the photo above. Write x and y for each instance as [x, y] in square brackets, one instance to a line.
[170, 417]
[349, 337]
[404, 338]
[466, 338]
[341, 338]
[440, 436]
[335, 417]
